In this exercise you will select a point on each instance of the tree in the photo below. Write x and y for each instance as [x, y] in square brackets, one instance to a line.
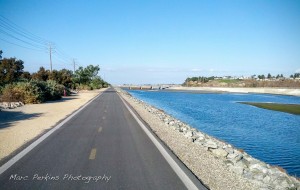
[269, 76]
[1, 54]
[10, 70]
[54, 75]
[25, 76]
[261, 77]
[86, 75]
[42, 74]
[97, 83]
[65, 77]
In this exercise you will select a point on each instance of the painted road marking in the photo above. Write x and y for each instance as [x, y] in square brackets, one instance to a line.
[100, 129]
[93, 154]
[16, 158]
[180, 173]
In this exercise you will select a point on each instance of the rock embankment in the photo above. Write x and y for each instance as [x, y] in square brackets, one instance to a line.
[10, 105]
[218, 164]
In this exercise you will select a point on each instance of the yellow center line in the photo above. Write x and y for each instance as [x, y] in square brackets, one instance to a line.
[100, 129]
[93, 154]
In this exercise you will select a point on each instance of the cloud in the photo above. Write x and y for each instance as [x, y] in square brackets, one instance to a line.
[109, 69]
[162, 70]
[196, 70]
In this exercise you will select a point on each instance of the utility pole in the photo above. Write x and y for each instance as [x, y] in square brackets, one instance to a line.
[50, 51]
[74, 65]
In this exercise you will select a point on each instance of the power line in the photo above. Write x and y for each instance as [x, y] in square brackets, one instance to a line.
[62, 53]
[20, 45]
[12, 36]
[14, 26]
[62, 60]
[13, 31]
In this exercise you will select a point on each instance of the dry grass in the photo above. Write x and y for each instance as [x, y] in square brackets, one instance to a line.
[284, 83]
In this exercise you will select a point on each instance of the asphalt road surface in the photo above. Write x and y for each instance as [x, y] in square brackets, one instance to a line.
[102, 147]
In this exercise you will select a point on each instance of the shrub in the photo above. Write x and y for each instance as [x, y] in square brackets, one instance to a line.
[32, 92]
[83, 87]
[1, 89]
[24, 92]
[54, 91]
[96, 83]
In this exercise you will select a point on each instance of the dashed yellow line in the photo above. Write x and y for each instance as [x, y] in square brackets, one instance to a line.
[93, 154]
[100, 129]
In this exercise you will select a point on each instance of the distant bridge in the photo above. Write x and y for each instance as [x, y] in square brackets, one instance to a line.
[146, 87]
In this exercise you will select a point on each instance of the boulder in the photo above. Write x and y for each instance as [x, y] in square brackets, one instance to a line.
[229, 150]
[189, 134]
[259, 176]
[242, 163]
[219, 152]
[228, 163]
[175, 126]
[267, 179]
[183, 129]
[237, 169]
[171, 123]
[232, 156]
[258, 167]
[238, 158]
[248, 175]
[199, 142]
[211, 144]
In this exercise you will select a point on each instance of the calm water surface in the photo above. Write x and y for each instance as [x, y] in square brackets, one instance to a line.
[271, 136]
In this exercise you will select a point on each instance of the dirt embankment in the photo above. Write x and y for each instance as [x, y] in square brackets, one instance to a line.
[277, 83]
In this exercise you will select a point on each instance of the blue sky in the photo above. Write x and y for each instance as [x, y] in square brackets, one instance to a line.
[160, 41]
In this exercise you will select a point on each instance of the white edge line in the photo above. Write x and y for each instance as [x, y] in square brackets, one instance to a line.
[17, 157]
[184, 178]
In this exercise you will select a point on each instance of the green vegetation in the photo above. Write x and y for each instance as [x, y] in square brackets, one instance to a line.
[252, 81]
[19, 85]
[288, 108]
[228, 81]
[87, 78]
[199, 79]
[32, 92]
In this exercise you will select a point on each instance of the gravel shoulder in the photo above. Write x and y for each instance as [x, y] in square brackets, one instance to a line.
[21, 125]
